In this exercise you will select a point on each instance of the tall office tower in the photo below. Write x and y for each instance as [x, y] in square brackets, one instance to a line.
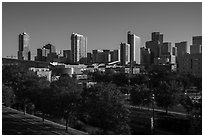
[23, 49]
[101, 56]
[78, 47]
[89, 58]
[115, 55]
[196, 46]
[50, 48]
[67, 54]
[124, 53]
[145, 57]
[106, 56]
[197, 40]
[94, 52]
[134, 42]
[155, 45]
[166, 49]
[39, 55]
[157, 37]
[46, 53]
[195, 49]
[190, 64]
[181, 48]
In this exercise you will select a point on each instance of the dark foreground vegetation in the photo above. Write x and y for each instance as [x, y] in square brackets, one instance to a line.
[103, 108]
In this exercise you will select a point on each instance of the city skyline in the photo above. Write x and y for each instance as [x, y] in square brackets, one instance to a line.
[105, 29]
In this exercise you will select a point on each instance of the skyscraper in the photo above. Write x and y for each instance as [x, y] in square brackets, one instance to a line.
[78, 47]
[197, 40]
[166, 49]
[157, 37]
[196, 46]
[181, 48]
[50, 47]
[23, 49]
[124, 53]
[101, 56]
[134, 42]
[115, 55]
[145, 57]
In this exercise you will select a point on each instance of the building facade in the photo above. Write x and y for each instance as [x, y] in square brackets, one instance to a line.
[101, 56]
[190, 64]
[115, 55]
[78, 47]
[145, 57]
[46, 53]
[196, 46]
[134, 42]
[23, 47]
[197, 40]
[124, 53]
[182, 48]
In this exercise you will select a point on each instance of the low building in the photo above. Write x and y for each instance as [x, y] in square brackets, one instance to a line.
[42, 72]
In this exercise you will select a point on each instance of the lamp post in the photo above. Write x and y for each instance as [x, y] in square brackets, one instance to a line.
[152, 118]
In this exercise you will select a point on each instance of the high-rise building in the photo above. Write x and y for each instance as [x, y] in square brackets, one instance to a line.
[166, 48]
[39, 55]
[115, 55]
[197, 40]
[23, 49]
[46, 53]
[195, 49]
[196, 46]
[157, 37]
[190, 64]
[145, 57]
[89, 58]
[124, 53]
[101, 56]
[67, 54]
[181, 48]
[155, 45]
[134, 42]
[78, 47]
[50, 48]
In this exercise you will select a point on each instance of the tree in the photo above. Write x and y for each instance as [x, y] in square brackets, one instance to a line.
[166, 95]
[66, 96]
[140, 95]
[187, 103]
[120, 79]
[103, 106]
[8, 97]
[25, 84]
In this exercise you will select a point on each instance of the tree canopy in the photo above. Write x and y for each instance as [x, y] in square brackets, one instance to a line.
[103, 106]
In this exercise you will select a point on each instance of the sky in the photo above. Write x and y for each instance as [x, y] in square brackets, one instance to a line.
[104, 24]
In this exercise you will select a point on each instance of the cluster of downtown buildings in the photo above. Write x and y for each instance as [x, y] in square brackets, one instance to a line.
[131, 56]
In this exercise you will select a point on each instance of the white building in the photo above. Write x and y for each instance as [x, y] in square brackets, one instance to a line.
[135, 46]
[78, 47]
[42, 72]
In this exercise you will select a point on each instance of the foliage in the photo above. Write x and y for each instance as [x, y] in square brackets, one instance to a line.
[65, 94]
[166, 95]
[120, 79]
[103, 106]
[187, 103]
[26, 84]
[8, 97]
[140, 95]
